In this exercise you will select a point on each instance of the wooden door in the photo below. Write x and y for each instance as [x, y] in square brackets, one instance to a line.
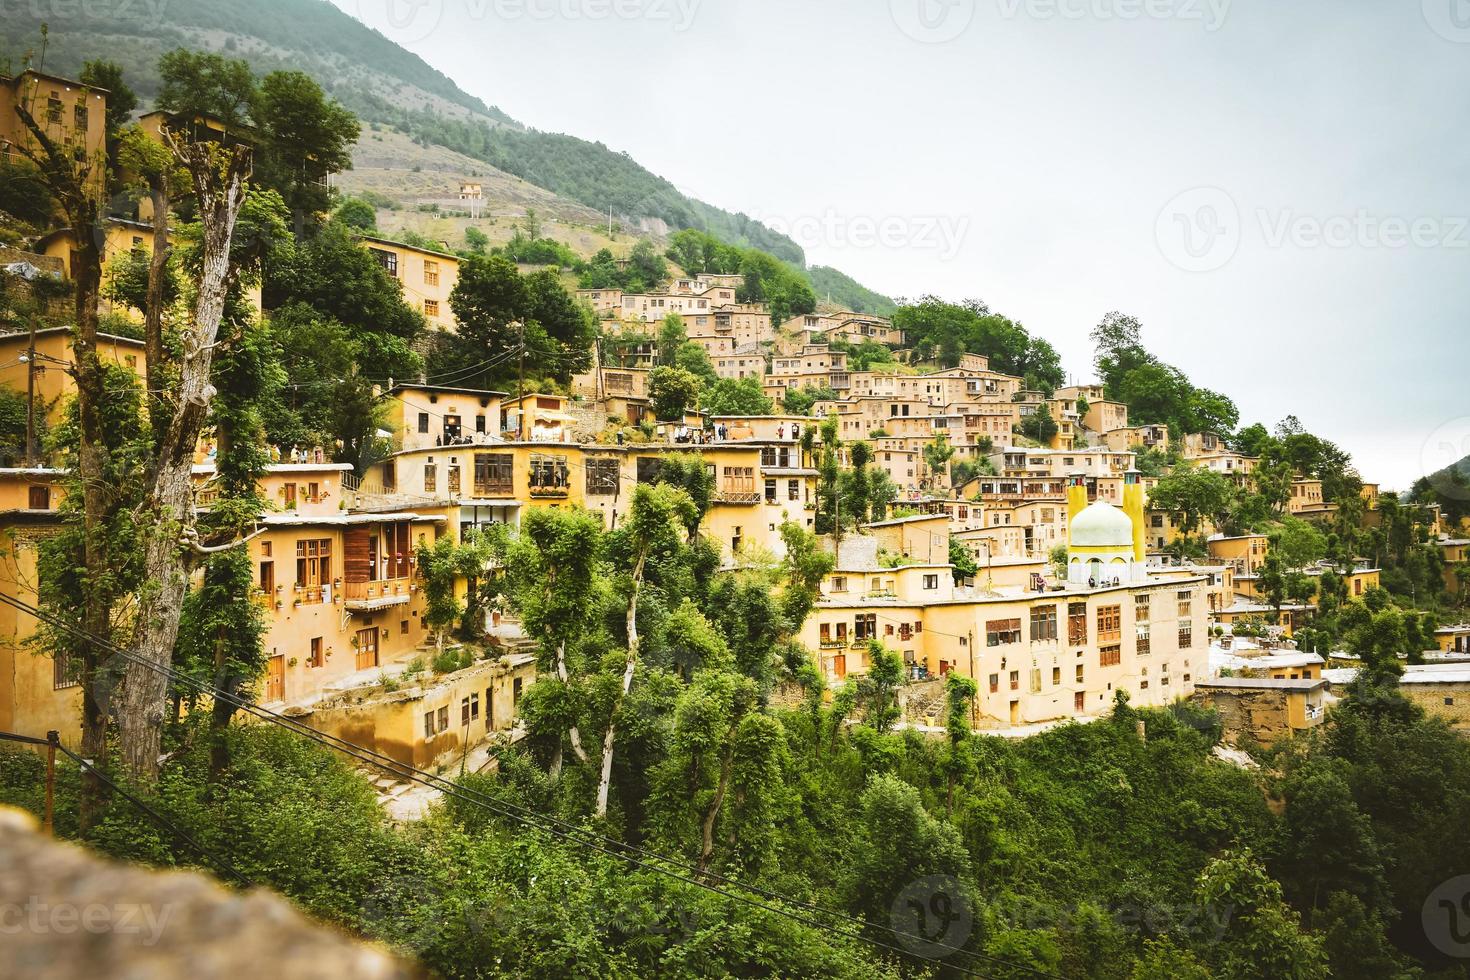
[839, 665]
[367, 648]
[1079, 701]
[358, 559]
[275, 678]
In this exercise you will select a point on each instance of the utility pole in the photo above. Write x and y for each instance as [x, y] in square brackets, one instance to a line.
[49, 825]
[31, 397]
[521, 386]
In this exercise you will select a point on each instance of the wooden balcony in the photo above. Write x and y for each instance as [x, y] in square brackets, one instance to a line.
[378, 594]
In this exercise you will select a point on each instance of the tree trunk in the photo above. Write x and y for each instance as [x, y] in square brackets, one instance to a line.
[605, 781]
[707, 849]
[575, 734]
[73, 185]
[219, 187]
[98, 681]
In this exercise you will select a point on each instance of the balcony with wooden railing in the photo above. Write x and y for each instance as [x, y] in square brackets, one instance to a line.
[377, 594]
[738, 490]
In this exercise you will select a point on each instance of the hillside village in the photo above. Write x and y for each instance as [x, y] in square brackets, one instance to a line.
[1067, 557]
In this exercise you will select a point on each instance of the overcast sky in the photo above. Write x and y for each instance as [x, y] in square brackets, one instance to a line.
[1278, 191]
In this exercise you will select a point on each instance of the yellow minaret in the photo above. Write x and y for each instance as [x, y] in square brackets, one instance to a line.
[1133, 507]
[1076, 497]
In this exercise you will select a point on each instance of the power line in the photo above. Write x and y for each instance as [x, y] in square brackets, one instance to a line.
[218, 863]
[545, 823]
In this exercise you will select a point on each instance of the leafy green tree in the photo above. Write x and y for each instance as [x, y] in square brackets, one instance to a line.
[339, 278]
[1375, 638]
[197, 83]
[673, 391]
[937, 454]
[1196, 495]
[476, 240]
[1298, 543]
[959, 698]
[569, 325]
[656, 526]
[306, 137]
[1327, 844]
[737, 396]
[646, 268]
[799, 401]
[855, 482]
[441, 565]
[357, 214]
[962, 563]
[692, 358]
[896, 842]
[554, 580]
[943, 331]
[878, 688]
[487, 300]
[122, 101]
[1263, 938]
[1039, 425]
[671, 336]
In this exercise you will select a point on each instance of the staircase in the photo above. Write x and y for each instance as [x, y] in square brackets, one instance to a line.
[922, 702]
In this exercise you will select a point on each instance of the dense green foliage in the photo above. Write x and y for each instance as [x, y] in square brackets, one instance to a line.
[840, 289]
[1083, 852]
[943, 331]
[1155, 391]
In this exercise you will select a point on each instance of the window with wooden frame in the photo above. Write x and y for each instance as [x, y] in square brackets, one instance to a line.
[431, 277]
[431, 477]
[1141, 608]
[999, 632]
[494, 474]
[865, 627]
[602, 476]
[316, 658]
[313, 566]
[1143, 642]
[452, 472]
[1043, 623]
[1109, 624]
[388, 260]
[1186, 602]
[1186, 635]
[1077, 623]
[1110, 656]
